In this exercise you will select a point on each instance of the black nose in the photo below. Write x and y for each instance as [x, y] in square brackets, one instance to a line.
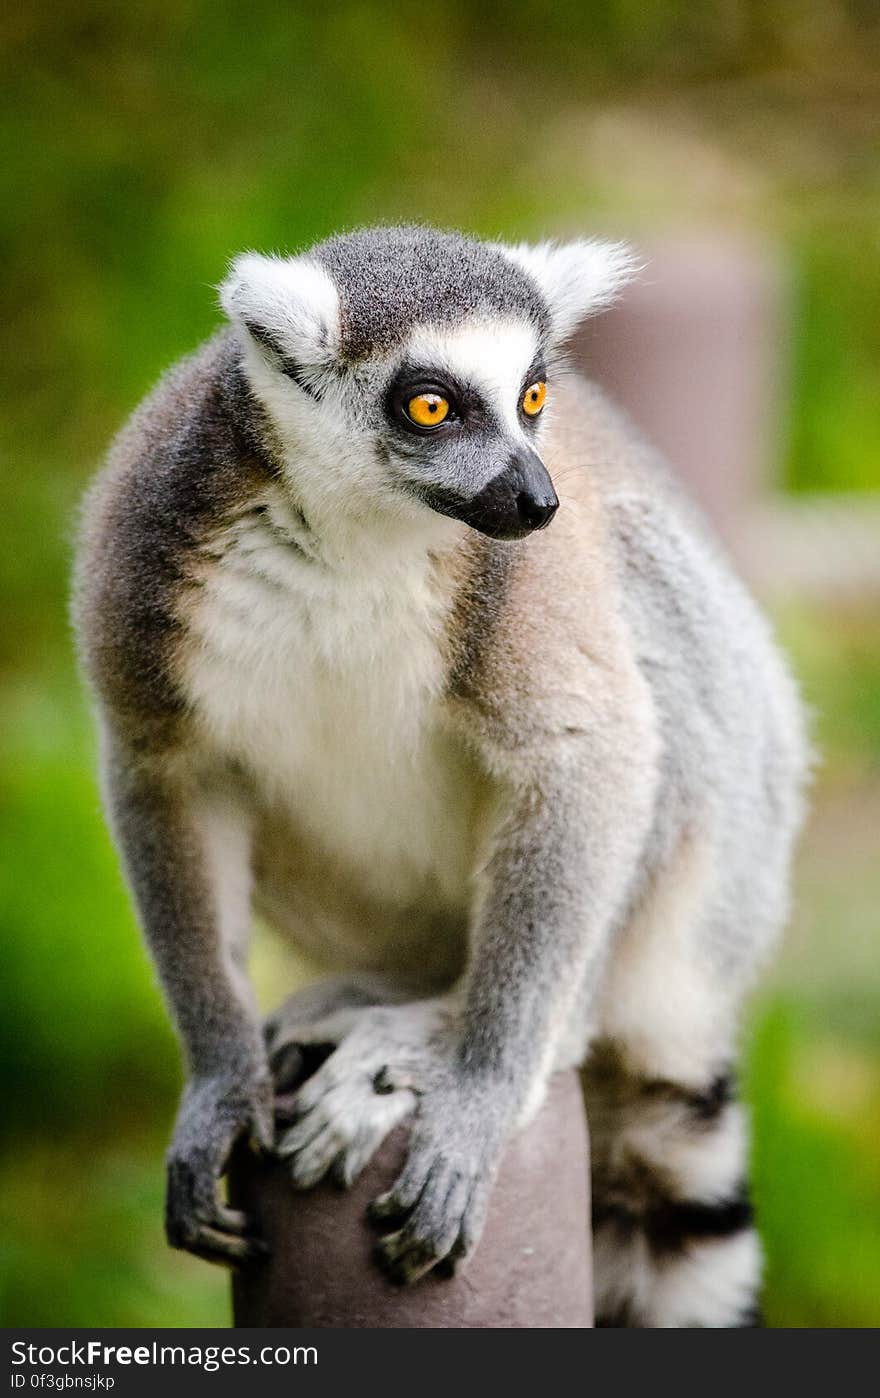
[516, 501]
[536, 511]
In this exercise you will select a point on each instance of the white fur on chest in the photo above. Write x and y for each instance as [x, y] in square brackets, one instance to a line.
[326, 683]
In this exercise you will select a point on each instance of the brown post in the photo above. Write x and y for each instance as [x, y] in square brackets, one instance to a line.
[530, 1270]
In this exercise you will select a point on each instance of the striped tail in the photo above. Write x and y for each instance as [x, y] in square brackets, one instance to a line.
[673, 1232]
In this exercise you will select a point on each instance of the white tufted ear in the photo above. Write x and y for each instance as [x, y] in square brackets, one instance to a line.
[288, 304]
[576, 279]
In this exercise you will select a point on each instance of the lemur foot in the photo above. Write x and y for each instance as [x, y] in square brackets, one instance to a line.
[367, 1086]
[385, 1062]
[214, 1113]
[310, 1023]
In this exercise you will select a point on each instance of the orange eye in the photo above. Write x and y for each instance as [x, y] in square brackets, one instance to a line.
[533, 399]
[428, 409]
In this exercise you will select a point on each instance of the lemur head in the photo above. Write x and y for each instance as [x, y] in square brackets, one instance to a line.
[404, 368]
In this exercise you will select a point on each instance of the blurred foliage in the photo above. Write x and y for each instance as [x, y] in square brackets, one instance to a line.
[816, 1170]
[140, 146]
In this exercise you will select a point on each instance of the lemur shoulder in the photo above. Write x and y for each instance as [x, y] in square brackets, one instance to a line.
[456, 690]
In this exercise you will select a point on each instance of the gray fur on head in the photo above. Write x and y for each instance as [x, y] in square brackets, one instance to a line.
[388, 280]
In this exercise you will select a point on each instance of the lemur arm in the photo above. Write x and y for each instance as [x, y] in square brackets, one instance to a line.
[561, 863]
[555, 879]
[185, 846]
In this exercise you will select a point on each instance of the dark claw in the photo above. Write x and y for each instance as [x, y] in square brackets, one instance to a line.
[390, 1269]
[403, 1268]
[337, 1175]
[386, 1216]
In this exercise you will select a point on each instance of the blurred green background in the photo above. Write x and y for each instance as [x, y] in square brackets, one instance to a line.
[141, 146]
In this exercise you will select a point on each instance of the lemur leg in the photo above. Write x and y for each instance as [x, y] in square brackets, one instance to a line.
[674, 1242]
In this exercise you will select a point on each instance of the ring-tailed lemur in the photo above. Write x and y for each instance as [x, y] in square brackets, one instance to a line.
[532, 795]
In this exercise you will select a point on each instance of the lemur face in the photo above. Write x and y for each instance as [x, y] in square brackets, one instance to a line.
[462, 413]
[407, 369]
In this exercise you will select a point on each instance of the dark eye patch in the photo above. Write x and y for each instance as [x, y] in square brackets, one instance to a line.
[536, 373]
[466, 406]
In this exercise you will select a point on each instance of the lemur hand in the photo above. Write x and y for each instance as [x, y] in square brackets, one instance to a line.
[437, 1205]
[214, 1113]
[388, 1062]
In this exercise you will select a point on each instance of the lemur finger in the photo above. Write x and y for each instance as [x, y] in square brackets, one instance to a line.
[472, 1219]
[401, 1261]
[431, 1230]
[214, 1245]
[400, 1198]
[312, 1162]
[262, 1126]
[234, 1220]
[353, 1160]
[285, 1110]
[326, 1080]
[459, 1252]
[305, 1129]
[211, 1230]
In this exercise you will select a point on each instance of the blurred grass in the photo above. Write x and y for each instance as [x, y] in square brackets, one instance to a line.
[139, 147]
[816, 1169]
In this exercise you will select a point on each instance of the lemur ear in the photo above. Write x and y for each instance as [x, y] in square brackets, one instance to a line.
[576, 279]
[289, 305]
